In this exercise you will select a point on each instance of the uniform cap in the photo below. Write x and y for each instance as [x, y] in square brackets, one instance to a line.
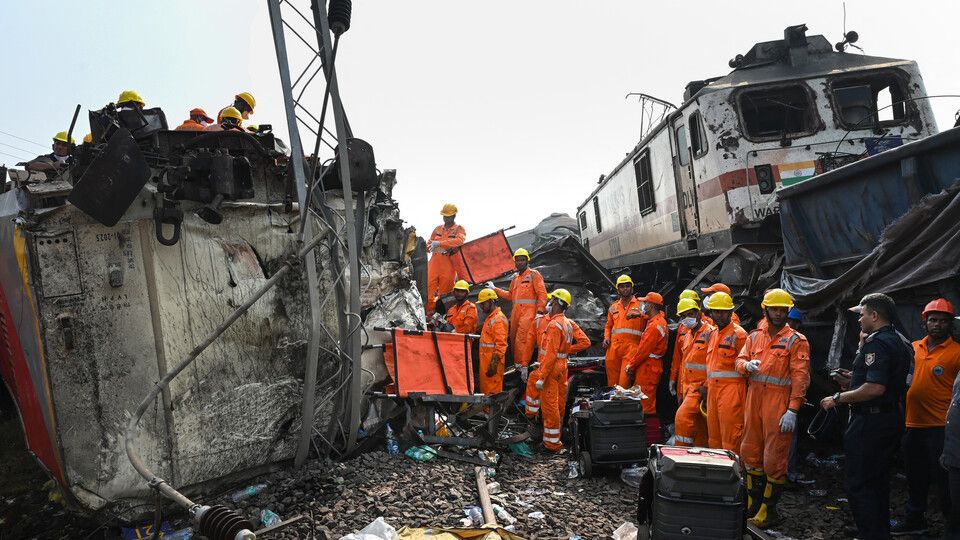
[717, 287]
[653, 298]
[200, 112]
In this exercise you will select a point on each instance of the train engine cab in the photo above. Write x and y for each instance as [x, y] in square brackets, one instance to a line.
[702, 180]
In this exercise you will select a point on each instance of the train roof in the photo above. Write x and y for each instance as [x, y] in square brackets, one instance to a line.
[795, 57]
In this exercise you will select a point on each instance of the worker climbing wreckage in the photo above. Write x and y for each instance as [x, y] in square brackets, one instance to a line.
[227, 330]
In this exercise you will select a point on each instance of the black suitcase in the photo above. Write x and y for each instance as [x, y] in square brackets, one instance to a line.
[693, 493]
[609, 432]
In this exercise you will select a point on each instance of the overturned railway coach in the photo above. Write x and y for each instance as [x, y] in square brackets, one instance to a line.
[694, 200]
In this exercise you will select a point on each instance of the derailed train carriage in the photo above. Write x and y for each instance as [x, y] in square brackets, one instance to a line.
[694, 201]
[116, 268]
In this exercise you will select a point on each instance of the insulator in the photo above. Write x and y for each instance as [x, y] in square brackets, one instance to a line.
[338, 13]
[221, 523]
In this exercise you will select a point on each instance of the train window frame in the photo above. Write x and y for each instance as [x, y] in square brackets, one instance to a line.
[643, 171]
[582, 219]
[695, 120]
[683, 145]
[596, 213]
[812, 123]
[902, 114]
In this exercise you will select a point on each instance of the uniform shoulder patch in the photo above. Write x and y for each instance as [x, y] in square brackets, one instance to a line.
[869, 358]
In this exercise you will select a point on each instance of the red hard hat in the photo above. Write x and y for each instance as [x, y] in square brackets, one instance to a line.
[940, 305]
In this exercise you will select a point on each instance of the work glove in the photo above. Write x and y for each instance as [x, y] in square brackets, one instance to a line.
[606, 343]
[539, 384]
[434, 245]
[673, 388]
[524, 372]
[788, 422]
[489, 285]
[753, 366]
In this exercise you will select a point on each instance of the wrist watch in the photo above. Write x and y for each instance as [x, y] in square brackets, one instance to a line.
[836, 398]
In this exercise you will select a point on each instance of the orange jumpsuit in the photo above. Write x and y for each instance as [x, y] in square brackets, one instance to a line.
[463, 317]
[677, 358]
[190, 125]
[556, 342]
[624, 336]
[440, 272]
[647, 364]
[690, 425]
[493, 344]
[726, 388]
[780, 384]
[580, 342]
[528, 295]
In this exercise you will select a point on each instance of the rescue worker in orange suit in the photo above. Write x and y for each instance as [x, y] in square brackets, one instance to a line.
[777, 362]
[677, 358]
[230, 120]
[551, 376]
[720, 287]
[580, 342]
[726, 387]
[242, 102]
[936, 363]
[493, 343]
[528, 296]
[198, 121]
[645, 367]
[621, 335]
[690, 424]
[463, 313]
[443, 241]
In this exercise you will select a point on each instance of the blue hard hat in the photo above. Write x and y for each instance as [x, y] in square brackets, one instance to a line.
[795, 314]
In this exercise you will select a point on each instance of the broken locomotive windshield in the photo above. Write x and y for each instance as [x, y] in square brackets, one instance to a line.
[865, 102]
[776, 112]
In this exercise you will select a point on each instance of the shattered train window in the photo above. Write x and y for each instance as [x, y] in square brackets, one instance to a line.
[778, 112]
[866, 102]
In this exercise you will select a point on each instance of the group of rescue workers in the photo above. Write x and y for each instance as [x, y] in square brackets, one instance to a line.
[737, 390]
[229, 118]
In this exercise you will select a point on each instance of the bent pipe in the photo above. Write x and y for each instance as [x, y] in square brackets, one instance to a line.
[130, 436]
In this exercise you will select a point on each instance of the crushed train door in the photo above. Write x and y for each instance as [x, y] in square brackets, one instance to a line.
[686, 183]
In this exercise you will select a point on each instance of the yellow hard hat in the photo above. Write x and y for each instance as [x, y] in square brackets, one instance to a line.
[254, 128]
[687, 293]
[521, 253]
[624, 279]
[777, 298]
[448, 210]
[562, 294]
[130, 95]
[686, 304]
[88, 137]
[720, 301]
[248, 98]
[231, 112]
[62, 137]
[486, 294]
[461, 285]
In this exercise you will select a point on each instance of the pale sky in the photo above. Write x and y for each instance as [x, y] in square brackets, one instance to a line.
[511, 110]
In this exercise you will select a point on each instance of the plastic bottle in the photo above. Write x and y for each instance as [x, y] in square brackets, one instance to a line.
[248, 492]
[269, 518]
[475, 515]
[182, 534]
[503, 515]
[393, 447]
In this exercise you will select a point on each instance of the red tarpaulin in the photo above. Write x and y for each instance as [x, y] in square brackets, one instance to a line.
[412, 362]
[484, 259]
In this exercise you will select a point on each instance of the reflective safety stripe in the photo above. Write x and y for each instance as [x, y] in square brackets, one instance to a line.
[724, 375]
[551, 431]
[627, 331]
[488, 345]
[533, 402]
[655, 356]
[702, 367]
[525, 301]
[551, 439]
[770, 379]
[662, 332]
[681, 438]
[559, 354]
[533, 410]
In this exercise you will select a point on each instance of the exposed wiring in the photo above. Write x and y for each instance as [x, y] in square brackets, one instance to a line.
[44, 146]
[876, 114]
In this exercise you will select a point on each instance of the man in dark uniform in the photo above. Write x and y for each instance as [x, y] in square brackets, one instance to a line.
[877, 385]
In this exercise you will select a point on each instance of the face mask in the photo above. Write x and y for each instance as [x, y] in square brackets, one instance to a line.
[549, 306]
[645, 308]
[689, 322]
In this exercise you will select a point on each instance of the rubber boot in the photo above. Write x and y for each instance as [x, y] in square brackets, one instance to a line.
[756, 481]
[767, 516]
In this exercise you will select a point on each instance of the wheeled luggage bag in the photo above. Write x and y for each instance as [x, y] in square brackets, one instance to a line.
[609, 432]
[693, 493]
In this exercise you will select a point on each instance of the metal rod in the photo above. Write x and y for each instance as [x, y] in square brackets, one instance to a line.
[343, 136]
[300, 177]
